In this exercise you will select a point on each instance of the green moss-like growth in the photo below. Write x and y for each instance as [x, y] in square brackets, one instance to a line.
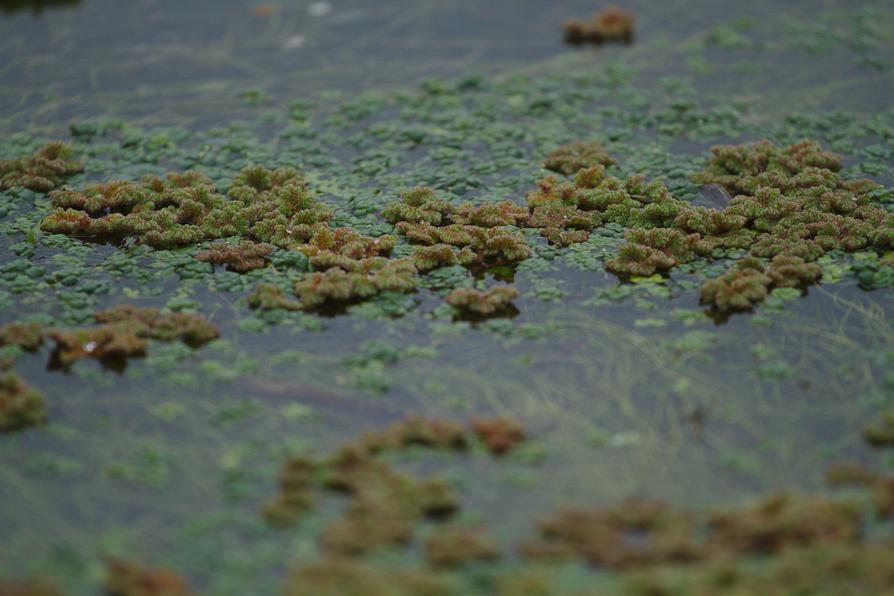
[28, 336]
[20, 406]
[611, 24]
[476, 303]
[241, 258]
[124, 578]
[571, 158]
[42, 171]
[453, 547]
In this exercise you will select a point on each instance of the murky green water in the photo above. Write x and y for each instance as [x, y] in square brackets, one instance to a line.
[626, 390]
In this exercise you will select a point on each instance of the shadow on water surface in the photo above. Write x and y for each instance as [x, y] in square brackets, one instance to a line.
[35, 6]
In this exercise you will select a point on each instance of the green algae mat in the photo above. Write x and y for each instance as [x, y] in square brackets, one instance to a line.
[415, 298]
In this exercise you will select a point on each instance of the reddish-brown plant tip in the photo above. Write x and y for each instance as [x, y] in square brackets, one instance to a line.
[453, 547]
[241, 258]
[124, 578]
[42, 171]
[20, 406]
[28, 336]
[612, 24]
[499, 435]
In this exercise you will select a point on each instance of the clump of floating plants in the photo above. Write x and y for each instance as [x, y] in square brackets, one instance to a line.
[27, 336]
[600, 536]
[612, 24]
[499, 435]
[470, 302]
[42, 171]
[124, 331]
[20, 406]
[385, 505]
[30, 587]
[785, 541]
[881, 485]
[344, 577]
[790, 207]
[124, 578]
[242, 257]
[452, 547]
[881, 432]
[571, 158]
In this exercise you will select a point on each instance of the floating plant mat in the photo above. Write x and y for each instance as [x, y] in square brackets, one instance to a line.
[264, 343]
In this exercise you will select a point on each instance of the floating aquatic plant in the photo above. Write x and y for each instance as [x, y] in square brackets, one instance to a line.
[612, 24]
[27, 336]
[296, 483]
[242, 257]
[453, 547]
[488, 303]
[30, 587]
[336, 286]
[783, 521]
[340, 577]
[124, 578]
[124, 332]
[20, 406]
[499, 435]
[600, 536]
[42, 171]
[881, 432]
[272, 297]
[571, 158]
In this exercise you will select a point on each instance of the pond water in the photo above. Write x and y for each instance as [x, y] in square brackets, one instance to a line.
[626, 390]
